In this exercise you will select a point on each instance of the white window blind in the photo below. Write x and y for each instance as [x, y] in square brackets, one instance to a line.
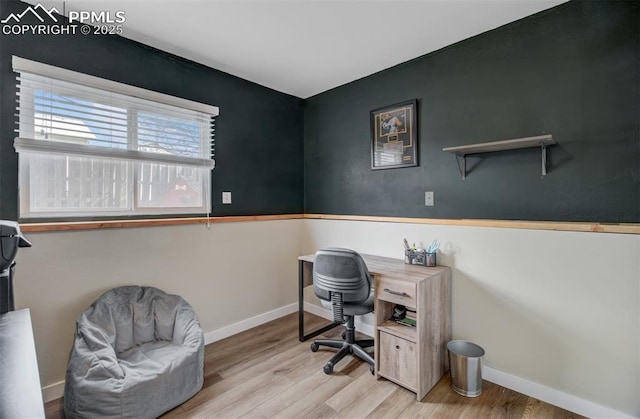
[90, 146]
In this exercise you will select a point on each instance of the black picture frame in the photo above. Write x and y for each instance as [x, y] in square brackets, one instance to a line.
[394, 136]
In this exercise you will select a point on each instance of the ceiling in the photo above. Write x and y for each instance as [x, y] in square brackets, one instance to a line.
[305, 47]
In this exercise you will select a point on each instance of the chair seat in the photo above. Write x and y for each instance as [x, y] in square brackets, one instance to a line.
[158, 373]
[153, 358]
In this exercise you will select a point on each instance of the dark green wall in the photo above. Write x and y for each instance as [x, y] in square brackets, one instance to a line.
[571, 71]
[258, 134]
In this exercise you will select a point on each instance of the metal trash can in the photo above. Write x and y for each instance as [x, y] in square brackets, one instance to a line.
[465, 367]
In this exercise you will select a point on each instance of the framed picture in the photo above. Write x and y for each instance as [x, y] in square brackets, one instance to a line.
[394, 136]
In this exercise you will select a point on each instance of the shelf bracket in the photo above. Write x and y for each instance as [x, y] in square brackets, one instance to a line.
[463, 169]
[464, 166]
[544, 159]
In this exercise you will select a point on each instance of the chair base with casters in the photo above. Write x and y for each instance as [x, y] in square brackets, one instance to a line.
[348, 346]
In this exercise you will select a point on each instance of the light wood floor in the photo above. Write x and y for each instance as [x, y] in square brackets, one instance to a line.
[265, 372]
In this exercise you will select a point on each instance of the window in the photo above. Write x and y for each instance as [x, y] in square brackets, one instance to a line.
[93, 147]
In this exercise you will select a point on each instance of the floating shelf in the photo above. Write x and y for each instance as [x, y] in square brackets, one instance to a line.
[542, 141]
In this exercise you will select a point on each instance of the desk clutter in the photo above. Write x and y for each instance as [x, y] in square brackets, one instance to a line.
[418, 256]
[404, 315]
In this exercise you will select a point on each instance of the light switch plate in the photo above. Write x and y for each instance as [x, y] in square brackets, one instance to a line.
[226, 197]
[428, 199]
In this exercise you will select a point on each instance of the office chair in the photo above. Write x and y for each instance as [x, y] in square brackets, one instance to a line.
[342, 282]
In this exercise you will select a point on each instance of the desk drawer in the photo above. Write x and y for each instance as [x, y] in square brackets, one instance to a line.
[398, 360]
[399, 292]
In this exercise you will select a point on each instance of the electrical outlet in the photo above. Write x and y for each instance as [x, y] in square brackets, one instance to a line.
[226, 197]
[428, 199]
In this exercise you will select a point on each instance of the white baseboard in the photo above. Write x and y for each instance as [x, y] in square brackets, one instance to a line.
[521, 385]
[551, 395]
[512, 382]
[53, 391]
[242, 325]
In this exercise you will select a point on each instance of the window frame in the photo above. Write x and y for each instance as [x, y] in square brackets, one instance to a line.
[135, 166]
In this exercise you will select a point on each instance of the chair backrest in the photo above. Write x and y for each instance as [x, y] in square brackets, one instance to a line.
[337, 270]
[132, 315]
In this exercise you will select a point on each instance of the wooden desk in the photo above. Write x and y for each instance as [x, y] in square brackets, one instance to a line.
[20, 393]
[415, 358]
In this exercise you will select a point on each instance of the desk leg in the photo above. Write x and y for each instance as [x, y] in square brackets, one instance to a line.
[301, 336]
[301, 301]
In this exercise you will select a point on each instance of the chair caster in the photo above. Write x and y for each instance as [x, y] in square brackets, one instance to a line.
[314, 347]
[372, 370]
[328, 369]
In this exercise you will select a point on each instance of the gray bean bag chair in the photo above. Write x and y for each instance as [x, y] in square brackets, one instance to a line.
[138, 352]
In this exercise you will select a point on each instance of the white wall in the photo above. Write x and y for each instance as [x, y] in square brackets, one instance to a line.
[228, 273]
[561, 309]
[557, 308]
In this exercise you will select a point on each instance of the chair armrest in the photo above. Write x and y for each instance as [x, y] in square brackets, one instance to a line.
[186, 329]
[95, 353]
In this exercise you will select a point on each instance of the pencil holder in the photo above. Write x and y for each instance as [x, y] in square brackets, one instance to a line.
[431, 259]
[415, 257]
[408, 256]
